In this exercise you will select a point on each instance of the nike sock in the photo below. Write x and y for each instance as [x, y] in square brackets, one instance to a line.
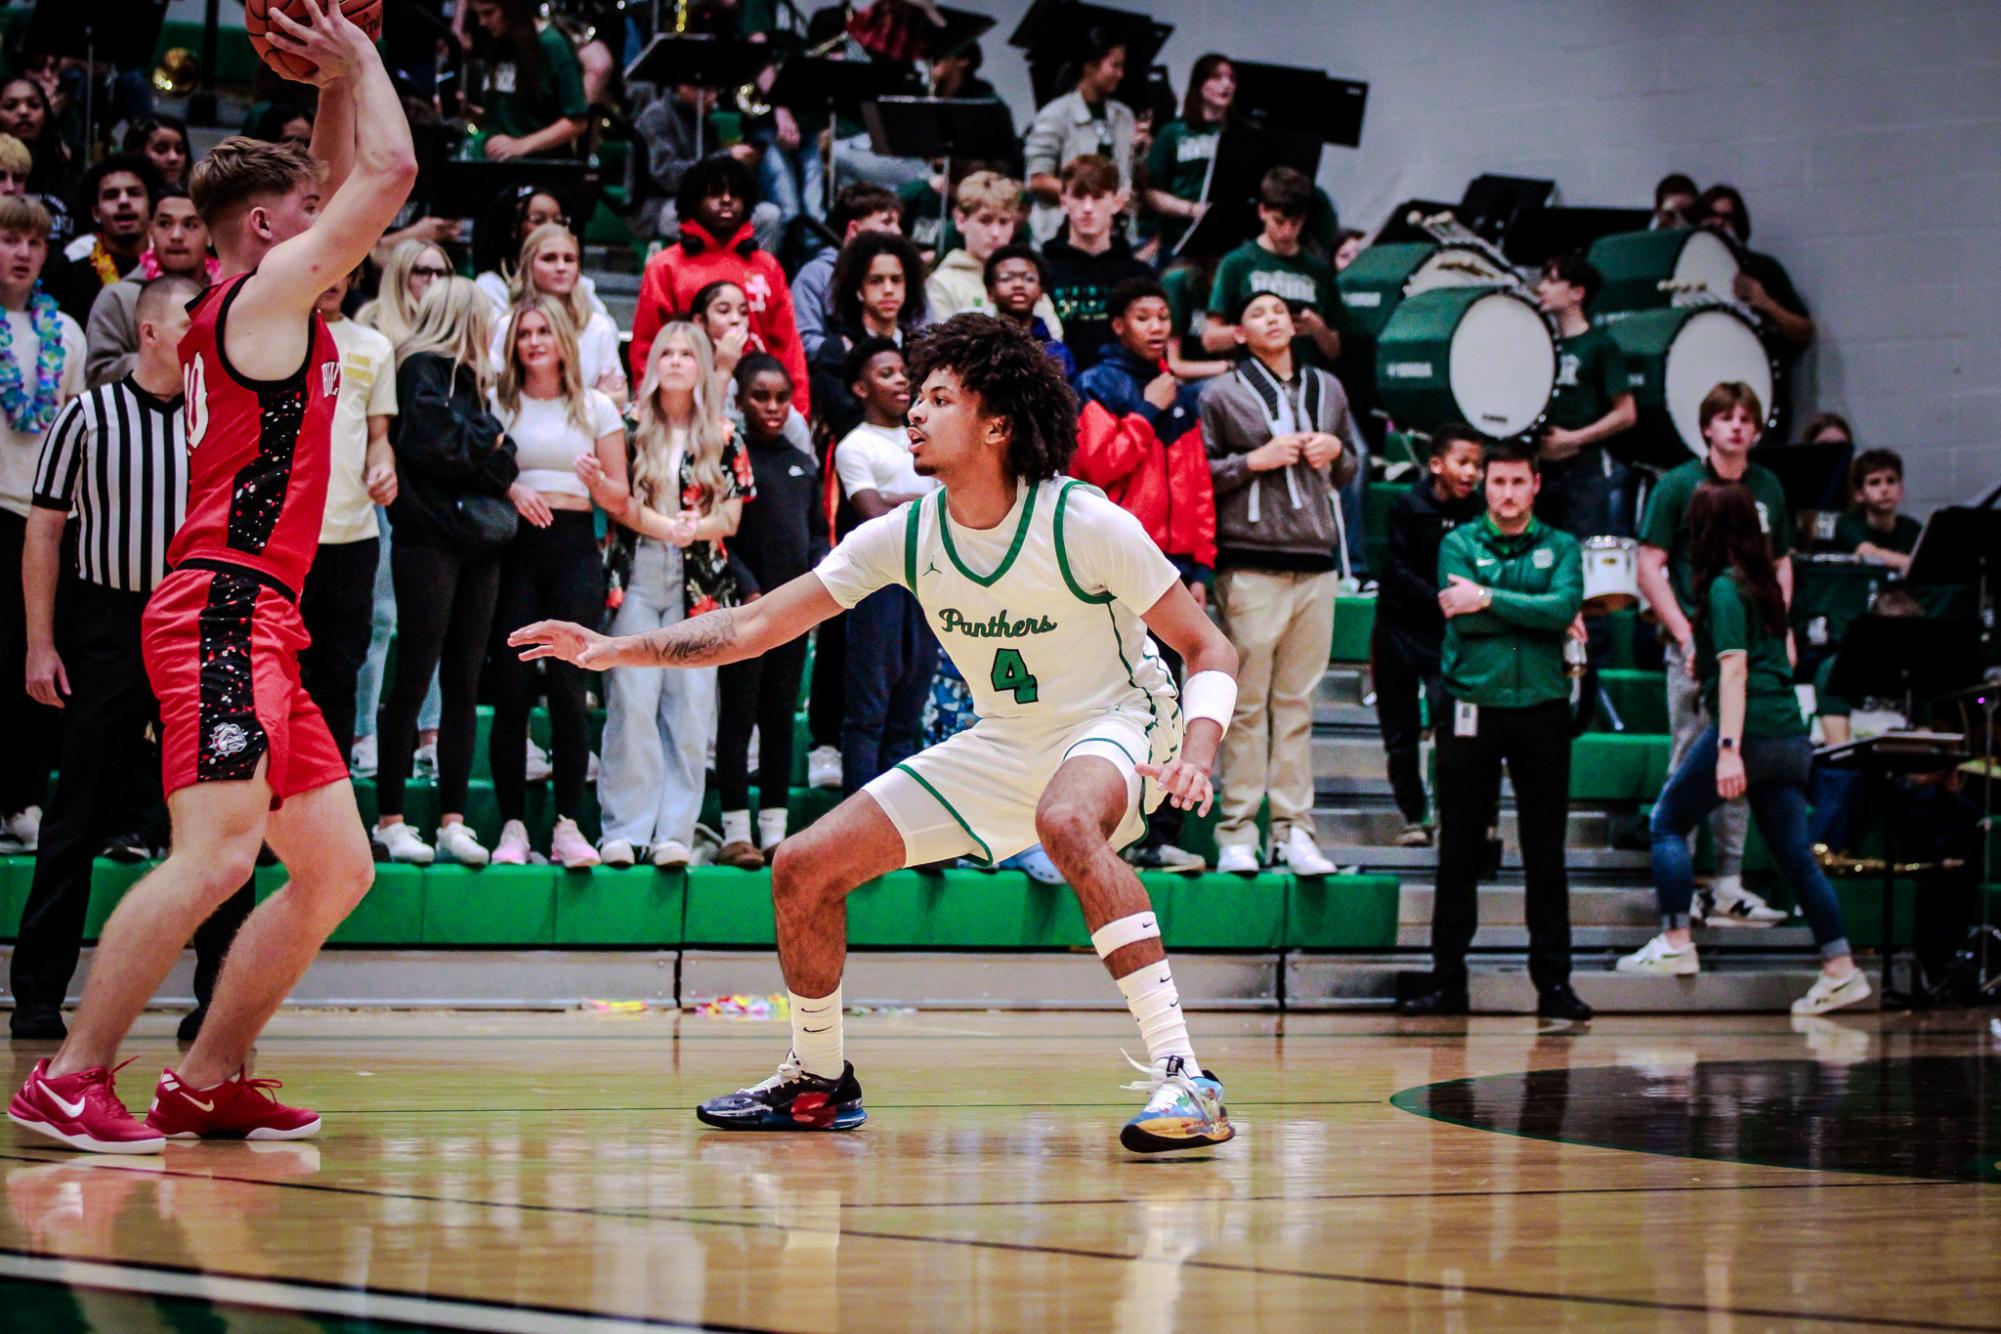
[770, 827]
[736, 826]
[1156, 1005]
[816, 1034]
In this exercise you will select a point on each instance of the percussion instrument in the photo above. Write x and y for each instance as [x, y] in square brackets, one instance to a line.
[1382, 276]
[1650, 270]
[1674, 358]
[1611, 574]
[1473, 354]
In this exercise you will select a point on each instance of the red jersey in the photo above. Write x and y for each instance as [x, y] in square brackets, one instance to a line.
[259, 451]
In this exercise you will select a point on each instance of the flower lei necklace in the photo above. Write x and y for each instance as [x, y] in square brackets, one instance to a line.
[103, 263]
[34, 412]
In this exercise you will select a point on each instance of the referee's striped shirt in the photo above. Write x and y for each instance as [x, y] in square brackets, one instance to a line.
[118, 458]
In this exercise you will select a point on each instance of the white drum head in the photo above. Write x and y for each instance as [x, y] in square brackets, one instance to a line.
[1713, 346]
[1503, 365]
[1706, 258]
[1456, 266]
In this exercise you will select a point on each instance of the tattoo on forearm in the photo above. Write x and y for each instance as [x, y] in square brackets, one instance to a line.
[696, 642]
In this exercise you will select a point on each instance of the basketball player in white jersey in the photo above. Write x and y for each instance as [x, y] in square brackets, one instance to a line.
[1043, 592]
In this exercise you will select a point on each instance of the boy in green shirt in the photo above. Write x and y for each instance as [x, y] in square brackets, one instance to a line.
[1275, 262]
[1873, 529]
[532, 101]
[1511, 589]
[1592, 404]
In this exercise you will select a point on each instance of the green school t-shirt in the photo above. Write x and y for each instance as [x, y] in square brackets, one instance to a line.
[1851, 530]
[1178, 163]
[519, 102]
[1665, 524]
[1301, 279]
[1590, 373]
[1729, 624]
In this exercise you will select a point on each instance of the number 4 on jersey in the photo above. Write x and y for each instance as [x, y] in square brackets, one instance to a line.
[1011, 673]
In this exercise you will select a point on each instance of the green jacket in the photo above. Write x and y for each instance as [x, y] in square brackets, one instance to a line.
[1510, 656]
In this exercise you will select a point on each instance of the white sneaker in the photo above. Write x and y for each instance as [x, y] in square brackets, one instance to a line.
[363, 763]
[823, 767]
[568, 846]
[1661, 959]
[458, 843]
[1238, 859]
[672, 853]
[1826, 993]
[536, 768]
[400, 843]
[617, 852]
[1303, 855]
[512, 849]
[25, 828]
[1741, 909]
[424, 759]
[591, 767]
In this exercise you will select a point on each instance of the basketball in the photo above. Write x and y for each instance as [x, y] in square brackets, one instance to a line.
[364, 14]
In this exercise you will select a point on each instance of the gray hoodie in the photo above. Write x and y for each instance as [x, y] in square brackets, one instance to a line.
[1287, 518]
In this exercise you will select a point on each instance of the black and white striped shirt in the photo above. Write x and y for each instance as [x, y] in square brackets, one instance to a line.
[118, 457]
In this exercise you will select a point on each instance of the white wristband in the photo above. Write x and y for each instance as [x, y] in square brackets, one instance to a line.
[1212, 695]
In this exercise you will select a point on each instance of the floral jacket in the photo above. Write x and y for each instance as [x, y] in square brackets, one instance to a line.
[708, 579]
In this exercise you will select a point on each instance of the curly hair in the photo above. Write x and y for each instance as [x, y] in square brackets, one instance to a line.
[1013, 377]
[851, 270]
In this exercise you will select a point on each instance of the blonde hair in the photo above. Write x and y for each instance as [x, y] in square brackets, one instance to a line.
[989, 191]
[453, 321]
[14, 156]
[393, 312]
[19, 213]
[569, 374]
[521, 282]
[240, 168]
[708, 431]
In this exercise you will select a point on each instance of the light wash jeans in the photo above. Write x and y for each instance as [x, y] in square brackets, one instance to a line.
[793, 181]
[658, 723]
[368, 685]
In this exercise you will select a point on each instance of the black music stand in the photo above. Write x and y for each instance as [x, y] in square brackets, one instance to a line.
[1243, 155]
[1806, 472]
[1899, 657]
[468, 189]
[839, 88]
[92, 33]
[941, 128]
[1053, 31]
[712, 63]
[1542, 233]
[1958, 541]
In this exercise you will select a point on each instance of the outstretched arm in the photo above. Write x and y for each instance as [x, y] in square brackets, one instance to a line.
[728, 635]
[1177, 622]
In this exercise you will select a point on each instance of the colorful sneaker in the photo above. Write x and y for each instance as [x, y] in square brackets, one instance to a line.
[1661, 959]
[790, 1100]
[1828, 993]
[568, 846]
[81, 1110]
[1184, 1109]
[512, 849]
[237, 1108]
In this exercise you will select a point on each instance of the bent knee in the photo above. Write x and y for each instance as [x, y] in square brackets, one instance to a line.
[1066, 831]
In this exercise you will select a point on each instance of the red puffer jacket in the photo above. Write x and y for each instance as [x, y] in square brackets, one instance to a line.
[1166, 487]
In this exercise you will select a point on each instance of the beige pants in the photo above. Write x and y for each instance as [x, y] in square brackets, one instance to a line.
[1283, 628]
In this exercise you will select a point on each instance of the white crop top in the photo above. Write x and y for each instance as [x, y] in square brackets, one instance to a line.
[547, 444]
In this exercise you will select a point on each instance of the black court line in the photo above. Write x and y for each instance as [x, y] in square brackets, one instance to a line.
[1078, 1252]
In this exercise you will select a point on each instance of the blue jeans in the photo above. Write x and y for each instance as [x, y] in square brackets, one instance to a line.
[792, 180]
[1777, 772]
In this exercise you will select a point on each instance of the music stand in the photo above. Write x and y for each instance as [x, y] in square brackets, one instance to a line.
[940, 127]
[1492, 203]
[1243, 155]
[840, 88]
[1955, 540]
[1542, 233]
[1288, 100]
[1806, 471]
[712, 63]
[1053, 31]
[468, 189]
[90, 32]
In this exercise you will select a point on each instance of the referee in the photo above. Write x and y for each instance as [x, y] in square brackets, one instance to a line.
[116, 457]
[1510, 588]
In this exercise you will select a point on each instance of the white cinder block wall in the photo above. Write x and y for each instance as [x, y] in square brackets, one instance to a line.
[1865, 135]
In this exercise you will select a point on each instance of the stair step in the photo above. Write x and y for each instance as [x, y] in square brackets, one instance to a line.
[1425, 860]
[1377, 826]
[1764, 984]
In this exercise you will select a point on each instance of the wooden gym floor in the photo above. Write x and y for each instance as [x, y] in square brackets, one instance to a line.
[527, 1172]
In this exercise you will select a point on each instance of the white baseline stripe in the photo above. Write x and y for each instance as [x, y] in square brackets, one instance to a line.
[278, 1295]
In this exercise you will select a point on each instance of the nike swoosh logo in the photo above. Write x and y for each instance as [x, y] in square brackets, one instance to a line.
[198, 1104]
[71, 1110]
[1482, 560]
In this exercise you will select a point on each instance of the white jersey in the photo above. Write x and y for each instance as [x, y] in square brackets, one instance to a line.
[1040, 614]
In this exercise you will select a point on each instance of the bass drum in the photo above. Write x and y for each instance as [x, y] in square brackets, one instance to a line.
[1383, 275]
[1636, 264]
[1673, 359]
[1466, 354]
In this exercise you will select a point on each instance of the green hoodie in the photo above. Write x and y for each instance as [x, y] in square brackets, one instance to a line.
[1510, 656]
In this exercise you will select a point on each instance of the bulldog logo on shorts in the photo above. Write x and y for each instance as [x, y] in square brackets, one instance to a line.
[228, 739]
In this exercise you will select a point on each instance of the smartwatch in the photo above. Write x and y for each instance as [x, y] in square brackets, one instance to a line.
[1726, 743]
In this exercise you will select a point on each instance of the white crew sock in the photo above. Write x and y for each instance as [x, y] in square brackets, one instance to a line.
[736, 826]
[816, 1034]
[770, 827]
[1726, 886]
[1150, 995]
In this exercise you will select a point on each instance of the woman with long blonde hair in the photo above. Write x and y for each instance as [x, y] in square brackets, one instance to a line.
[551, 266]
[412, 267]
[451, 519]
[681, 499]
[552, 568]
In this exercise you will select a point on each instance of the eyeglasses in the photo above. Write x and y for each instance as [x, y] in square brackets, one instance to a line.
[429, 271]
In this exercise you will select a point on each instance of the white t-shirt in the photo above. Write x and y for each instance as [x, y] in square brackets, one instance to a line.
[877, 458]
[597, 347]
[21, 450]
[547, 444]
[495, 288]
[367, 389]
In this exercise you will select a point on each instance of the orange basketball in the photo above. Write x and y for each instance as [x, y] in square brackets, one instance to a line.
[364, 14]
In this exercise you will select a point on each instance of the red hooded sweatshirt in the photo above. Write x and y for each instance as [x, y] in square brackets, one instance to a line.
[667, 293]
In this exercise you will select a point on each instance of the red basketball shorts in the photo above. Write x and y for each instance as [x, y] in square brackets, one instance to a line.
[222, 648]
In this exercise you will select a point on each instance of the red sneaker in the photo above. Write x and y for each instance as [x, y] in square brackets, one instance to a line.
[81, 1110]
[237, 1108]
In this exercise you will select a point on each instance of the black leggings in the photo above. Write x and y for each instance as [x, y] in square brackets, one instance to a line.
[551, 573]
[444, 611]
[764, 691]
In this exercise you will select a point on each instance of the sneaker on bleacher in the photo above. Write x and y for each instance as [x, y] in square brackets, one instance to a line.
[823, 767]
[362, 763]
[22, 831]
[400, 843]
[1302, 855]
[536, 768]
[1742, 908]
[458, 843]
[1238, 859]
[1660, 959]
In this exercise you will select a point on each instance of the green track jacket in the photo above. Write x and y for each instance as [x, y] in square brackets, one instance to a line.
[1510, 656]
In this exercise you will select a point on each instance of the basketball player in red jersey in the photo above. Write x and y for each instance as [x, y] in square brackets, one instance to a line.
[247, 758]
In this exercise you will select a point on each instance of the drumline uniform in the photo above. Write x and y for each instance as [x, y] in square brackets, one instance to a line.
[222, 632]
[1048, 637]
